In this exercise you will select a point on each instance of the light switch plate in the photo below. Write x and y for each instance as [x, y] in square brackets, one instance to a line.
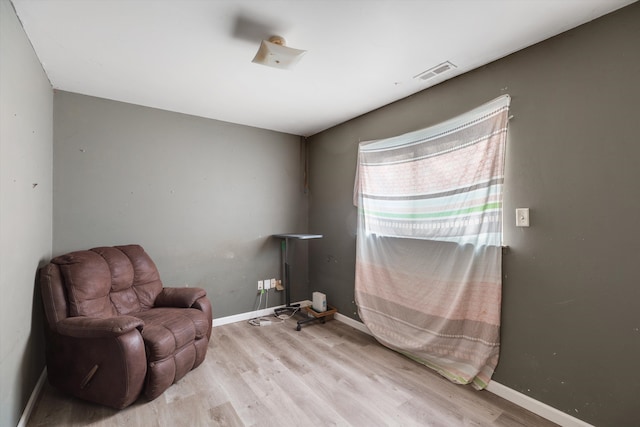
[522, 217]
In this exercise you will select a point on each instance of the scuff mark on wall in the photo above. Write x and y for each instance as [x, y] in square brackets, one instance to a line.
[569, 301]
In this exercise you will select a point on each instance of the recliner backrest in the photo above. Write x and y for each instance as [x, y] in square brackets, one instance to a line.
[108, 281]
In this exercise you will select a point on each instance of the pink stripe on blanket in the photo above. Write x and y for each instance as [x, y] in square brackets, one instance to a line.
[402, 178]
[477, 299]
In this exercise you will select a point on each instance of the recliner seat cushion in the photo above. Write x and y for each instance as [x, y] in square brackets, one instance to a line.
[171, 338]
[166, 330]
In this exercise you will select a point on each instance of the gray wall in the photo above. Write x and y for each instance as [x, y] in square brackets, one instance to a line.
[26, 108]
[571, 321]
[201, 196]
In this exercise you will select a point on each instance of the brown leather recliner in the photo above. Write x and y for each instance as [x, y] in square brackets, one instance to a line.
[114, 331]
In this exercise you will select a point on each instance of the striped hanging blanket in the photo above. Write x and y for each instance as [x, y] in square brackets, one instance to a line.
[429, 260]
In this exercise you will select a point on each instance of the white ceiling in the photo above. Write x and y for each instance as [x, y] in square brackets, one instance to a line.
[194, 56]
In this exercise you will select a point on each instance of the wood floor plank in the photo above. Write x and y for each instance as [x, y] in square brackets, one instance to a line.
[225, 415]
[324, 375]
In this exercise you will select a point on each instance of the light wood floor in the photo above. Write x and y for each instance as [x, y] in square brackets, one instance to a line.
[324, 375]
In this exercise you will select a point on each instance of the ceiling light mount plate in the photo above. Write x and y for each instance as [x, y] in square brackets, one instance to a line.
[275, 53]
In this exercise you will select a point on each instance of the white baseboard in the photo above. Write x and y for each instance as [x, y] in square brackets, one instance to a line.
[353, 323]
[253, 314]
[522, 400]
[244, 316]
[535, 406]
[28, 409]
[26, 414]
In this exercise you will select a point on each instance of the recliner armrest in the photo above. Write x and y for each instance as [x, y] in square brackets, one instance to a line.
[179, 297]
[88, 327]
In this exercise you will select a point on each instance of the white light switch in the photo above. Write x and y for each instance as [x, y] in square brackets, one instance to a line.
[522, 217]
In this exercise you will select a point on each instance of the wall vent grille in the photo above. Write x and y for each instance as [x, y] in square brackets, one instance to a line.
[435, 71]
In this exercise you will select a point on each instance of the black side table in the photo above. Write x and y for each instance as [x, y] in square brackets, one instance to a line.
[284, 249]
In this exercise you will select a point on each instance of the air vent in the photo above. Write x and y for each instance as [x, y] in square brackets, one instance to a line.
[435, 71]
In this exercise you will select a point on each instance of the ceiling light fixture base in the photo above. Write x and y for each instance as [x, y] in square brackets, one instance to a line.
[275, 53]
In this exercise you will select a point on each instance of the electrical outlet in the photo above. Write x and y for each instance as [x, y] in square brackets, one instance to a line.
[260, 285]
[273, 283]
[279, 286]
[267, 284]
